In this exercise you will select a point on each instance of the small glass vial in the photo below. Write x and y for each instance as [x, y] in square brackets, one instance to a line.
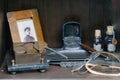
[97, 42]
[110, 36]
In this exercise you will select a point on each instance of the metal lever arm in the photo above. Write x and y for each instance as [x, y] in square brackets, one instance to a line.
[56, 52]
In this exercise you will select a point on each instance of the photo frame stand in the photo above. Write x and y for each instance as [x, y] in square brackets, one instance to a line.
[27, 57]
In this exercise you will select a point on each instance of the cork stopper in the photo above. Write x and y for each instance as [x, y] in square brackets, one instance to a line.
[13, 62]
[110, 30]
[97, 33]
[42, 60]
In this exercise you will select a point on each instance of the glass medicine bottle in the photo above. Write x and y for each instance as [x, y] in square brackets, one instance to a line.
[97, 41]
[110, 41]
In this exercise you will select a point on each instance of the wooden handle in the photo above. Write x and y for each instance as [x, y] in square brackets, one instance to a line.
[88, 48]
[92, 50]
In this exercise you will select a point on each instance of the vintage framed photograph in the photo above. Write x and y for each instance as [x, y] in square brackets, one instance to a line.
[26, 30]
[25, 26]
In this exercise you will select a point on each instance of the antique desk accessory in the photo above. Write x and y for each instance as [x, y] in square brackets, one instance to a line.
[71, 47]
[100, 62]
[26, 35]
[101, 66]
[108, 65]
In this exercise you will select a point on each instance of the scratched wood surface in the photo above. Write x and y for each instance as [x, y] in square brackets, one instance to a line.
[56, 72]
[91, 14]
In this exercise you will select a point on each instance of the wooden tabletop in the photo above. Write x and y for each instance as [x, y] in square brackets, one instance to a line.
[56, 72]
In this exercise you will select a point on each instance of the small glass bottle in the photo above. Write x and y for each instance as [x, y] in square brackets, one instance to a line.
[110, 40]
[97, 42]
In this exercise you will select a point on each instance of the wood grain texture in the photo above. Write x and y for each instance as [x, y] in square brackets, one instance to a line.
[53, 14]
[116, 19]
[2, 33]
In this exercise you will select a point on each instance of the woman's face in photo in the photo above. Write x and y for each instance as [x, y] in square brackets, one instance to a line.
[27, 32]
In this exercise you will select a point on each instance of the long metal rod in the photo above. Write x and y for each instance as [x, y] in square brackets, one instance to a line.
[92, 56]
[56, 52]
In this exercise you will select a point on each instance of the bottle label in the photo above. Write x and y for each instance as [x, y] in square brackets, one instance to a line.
[98, 47]
[111, 47]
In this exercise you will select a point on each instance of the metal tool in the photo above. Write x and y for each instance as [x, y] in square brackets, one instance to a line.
[56, 52]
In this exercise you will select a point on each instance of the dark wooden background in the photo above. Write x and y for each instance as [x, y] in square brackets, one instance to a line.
[91, 14]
